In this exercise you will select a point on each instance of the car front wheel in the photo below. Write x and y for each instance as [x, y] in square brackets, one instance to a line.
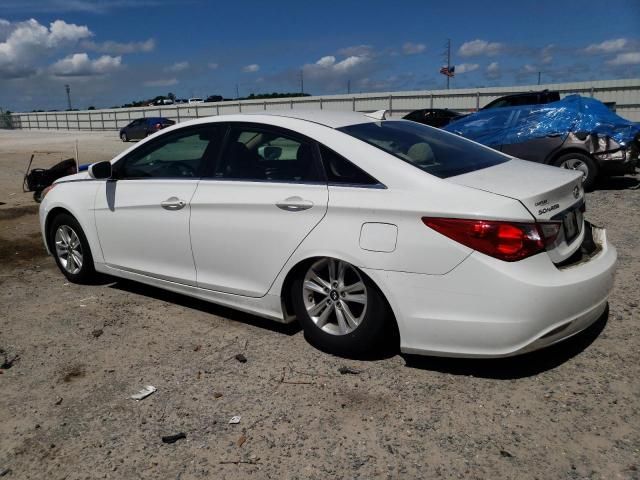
[582, 163]
[71, 249]
[339, 308]
[123, 137]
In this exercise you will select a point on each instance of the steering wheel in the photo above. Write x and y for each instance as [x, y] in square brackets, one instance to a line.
[181, 169]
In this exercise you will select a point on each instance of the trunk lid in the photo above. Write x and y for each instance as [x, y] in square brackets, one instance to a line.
[548, 193]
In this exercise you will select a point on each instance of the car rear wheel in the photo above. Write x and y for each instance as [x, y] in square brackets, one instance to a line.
[123, 137]
[71, 249]
[582, 163]
[339, 308]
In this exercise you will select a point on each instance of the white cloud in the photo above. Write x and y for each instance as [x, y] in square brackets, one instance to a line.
[466, 67]
[410, 48]
[631, 58]
[493, 70]
[254, 67]
[24, 43]
[79, 64]
[162, 82]
[608, 46]
[546, 56]
[349, 63]
[528, 68]
[356, 50]
[213, 66]
[480, 47]
[120, 48]
[177, 67]
[326, 61]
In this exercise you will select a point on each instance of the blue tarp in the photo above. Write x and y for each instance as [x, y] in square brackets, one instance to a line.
[508, 125]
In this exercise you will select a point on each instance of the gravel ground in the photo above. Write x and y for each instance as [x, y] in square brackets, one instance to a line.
[572, 411]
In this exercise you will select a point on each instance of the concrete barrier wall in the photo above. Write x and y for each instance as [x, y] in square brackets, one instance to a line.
[625, 94]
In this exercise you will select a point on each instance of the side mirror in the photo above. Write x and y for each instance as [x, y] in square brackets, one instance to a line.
[100, 170]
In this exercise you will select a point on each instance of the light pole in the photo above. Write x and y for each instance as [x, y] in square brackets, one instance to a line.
[68, 89]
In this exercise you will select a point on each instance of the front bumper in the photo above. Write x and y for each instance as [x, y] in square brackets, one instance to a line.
[489, 308]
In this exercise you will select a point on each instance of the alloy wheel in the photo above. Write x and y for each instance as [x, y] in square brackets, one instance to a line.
[68, 249]
[334, 296]
[576, 164]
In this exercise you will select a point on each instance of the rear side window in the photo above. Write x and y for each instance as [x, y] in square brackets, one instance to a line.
[341, 171]
[433, 151]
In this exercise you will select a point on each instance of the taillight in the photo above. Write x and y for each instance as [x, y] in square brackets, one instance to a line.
[508, 241]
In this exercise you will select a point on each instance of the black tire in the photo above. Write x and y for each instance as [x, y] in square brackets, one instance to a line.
[86, 273]
[37, 196]
[586, 163]
[123, 137]
[367, 338]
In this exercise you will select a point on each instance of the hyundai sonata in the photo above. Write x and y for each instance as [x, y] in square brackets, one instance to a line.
[351, 224]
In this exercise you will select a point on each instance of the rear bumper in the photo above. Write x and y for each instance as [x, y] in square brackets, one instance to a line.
[620, 162]
[489, 308]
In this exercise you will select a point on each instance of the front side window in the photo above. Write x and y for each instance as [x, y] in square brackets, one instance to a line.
[256, 154]
[433, 151]
[180, 154]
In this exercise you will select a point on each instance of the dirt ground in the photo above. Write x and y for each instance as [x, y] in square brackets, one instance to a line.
[572, 411]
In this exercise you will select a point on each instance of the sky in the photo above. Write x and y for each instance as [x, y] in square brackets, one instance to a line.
[114, 52]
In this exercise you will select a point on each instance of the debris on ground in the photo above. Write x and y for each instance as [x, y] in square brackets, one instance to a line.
[144, 393]
[217, 394]
[506, 454]
[235, 419]
[58, 401]
[348, 371]
[97, 332]
[4, 471]
[241, 358]
[241, 440]
[8, 362]
[174, 438]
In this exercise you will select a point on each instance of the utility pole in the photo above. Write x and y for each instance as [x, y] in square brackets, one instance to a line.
[68, 89]
[349, 86]
[301, 81]
[237, 92]
[448, 60]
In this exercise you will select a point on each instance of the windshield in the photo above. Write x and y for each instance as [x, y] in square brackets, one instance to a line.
[434, 151]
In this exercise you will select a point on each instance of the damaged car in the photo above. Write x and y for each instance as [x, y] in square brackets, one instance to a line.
[576, 132]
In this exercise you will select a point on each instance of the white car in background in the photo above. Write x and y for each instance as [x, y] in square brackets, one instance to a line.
[352, 224]
[195, 100]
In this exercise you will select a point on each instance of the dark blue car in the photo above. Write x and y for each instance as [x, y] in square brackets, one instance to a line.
[143, 127]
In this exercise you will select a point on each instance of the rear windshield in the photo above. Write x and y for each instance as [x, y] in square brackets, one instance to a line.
[436, 152]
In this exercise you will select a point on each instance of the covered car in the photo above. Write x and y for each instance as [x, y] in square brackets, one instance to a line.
[576, 132]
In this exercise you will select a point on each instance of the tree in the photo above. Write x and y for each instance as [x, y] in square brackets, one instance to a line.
[171, 96]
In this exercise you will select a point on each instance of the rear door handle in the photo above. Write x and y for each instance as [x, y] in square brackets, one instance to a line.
[173, 203]
[294, 204]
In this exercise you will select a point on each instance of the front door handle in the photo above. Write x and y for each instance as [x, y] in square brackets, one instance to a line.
[294, 204]
[173, 203]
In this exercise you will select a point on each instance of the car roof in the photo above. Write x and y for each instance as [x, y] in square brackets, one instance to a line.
[329, 118]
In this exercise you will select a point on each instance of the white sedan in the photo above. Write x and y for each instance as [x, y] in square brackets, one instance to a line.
[354, 225]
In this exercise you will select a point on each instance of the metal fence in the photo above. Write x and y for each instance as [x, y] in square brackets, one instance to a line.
[624, 94]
